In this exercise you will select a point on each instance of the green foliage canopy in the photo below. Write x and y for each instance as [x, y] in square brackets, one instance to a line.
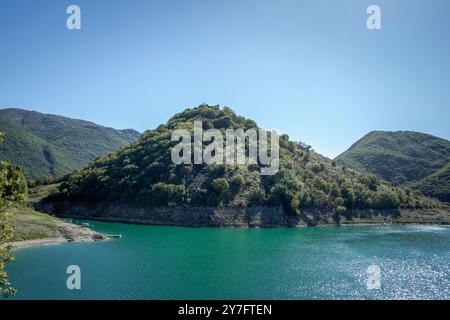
[144, 173]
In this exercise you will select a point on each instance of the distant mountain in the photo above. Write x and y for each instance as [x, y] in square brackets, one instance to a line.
[142, 175]
[405, 158]
[51, 145]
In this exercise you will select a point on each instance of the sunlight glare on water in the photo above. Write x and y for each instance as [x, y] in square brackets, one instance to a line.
[151, 262]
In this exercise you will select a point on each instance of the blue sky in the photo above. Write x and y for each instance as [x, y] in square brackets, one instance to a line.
[308, 68]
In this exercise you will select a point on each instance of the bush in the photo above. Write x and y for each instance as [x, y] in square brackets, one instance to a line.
[349, 195]
[369, 181]
[289, 198]
[386, 200]
[294, 207]
[162, 193]
[220, 185]
[237, 181]
[339, 202]
[257, 196]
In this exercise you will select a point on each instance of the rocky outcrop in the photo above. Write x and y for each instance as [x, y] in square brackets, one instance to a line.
[256, 216]
[260, 216]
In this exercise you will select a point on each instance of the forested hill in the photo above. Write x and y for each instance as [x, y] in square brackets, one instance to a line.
[405, 158]
[51, 145]
[436, 185]
[143, 173]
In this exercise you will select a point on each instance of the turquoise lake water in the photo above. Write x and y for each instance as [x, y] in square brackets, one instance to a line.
[151, 262]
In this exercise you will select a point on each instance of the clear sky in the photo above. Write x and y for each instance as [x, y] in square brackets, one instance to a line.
[308, 68]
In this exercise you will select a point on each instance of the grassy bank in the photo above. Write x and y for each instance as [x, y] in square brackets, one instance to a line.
[30, 224]
[33, 227]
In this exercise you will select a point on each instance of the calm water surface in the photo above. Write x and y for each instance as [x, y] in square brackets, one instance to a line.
[151, 262]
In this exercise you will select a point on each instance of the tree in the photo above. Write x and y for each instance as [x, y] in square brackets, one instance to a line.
[163, 193]
[349, 195]
[13, 187]
[387, 200]
[237, 181]
[220, 185]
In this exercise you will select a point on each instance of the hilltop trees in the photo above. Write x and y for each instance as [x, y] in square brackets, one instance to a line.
[143, 173]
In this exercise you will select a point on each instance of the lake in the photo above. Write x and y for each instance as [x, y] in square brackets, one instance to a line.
[153, 262]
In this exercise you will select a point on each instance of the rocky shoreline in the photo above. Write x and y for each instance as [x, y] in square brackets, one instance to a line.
[257, 216]
[66, 233]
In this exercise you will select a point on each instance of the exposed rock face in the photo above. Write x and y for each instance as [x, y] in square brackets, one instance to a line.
[184, 216]
[256, 216]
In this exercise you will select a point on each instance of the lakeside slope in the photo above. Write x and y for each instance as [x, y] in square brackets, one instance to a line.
[37, 228]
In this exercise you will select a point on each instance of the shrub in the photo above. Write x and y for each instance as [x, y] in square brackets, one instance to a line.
[220, 185]
[237, 181]
[386, 200]
[162, 193]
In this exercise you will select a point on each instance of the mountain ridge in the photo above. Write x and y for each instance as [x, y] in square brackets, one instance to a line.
[52, 145]
[403, 158]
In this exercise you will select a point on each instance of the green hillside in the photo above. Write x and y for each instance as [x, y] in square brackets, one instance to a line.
[436, 185]
[143, 173]
[403, 158]
[50, 145]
